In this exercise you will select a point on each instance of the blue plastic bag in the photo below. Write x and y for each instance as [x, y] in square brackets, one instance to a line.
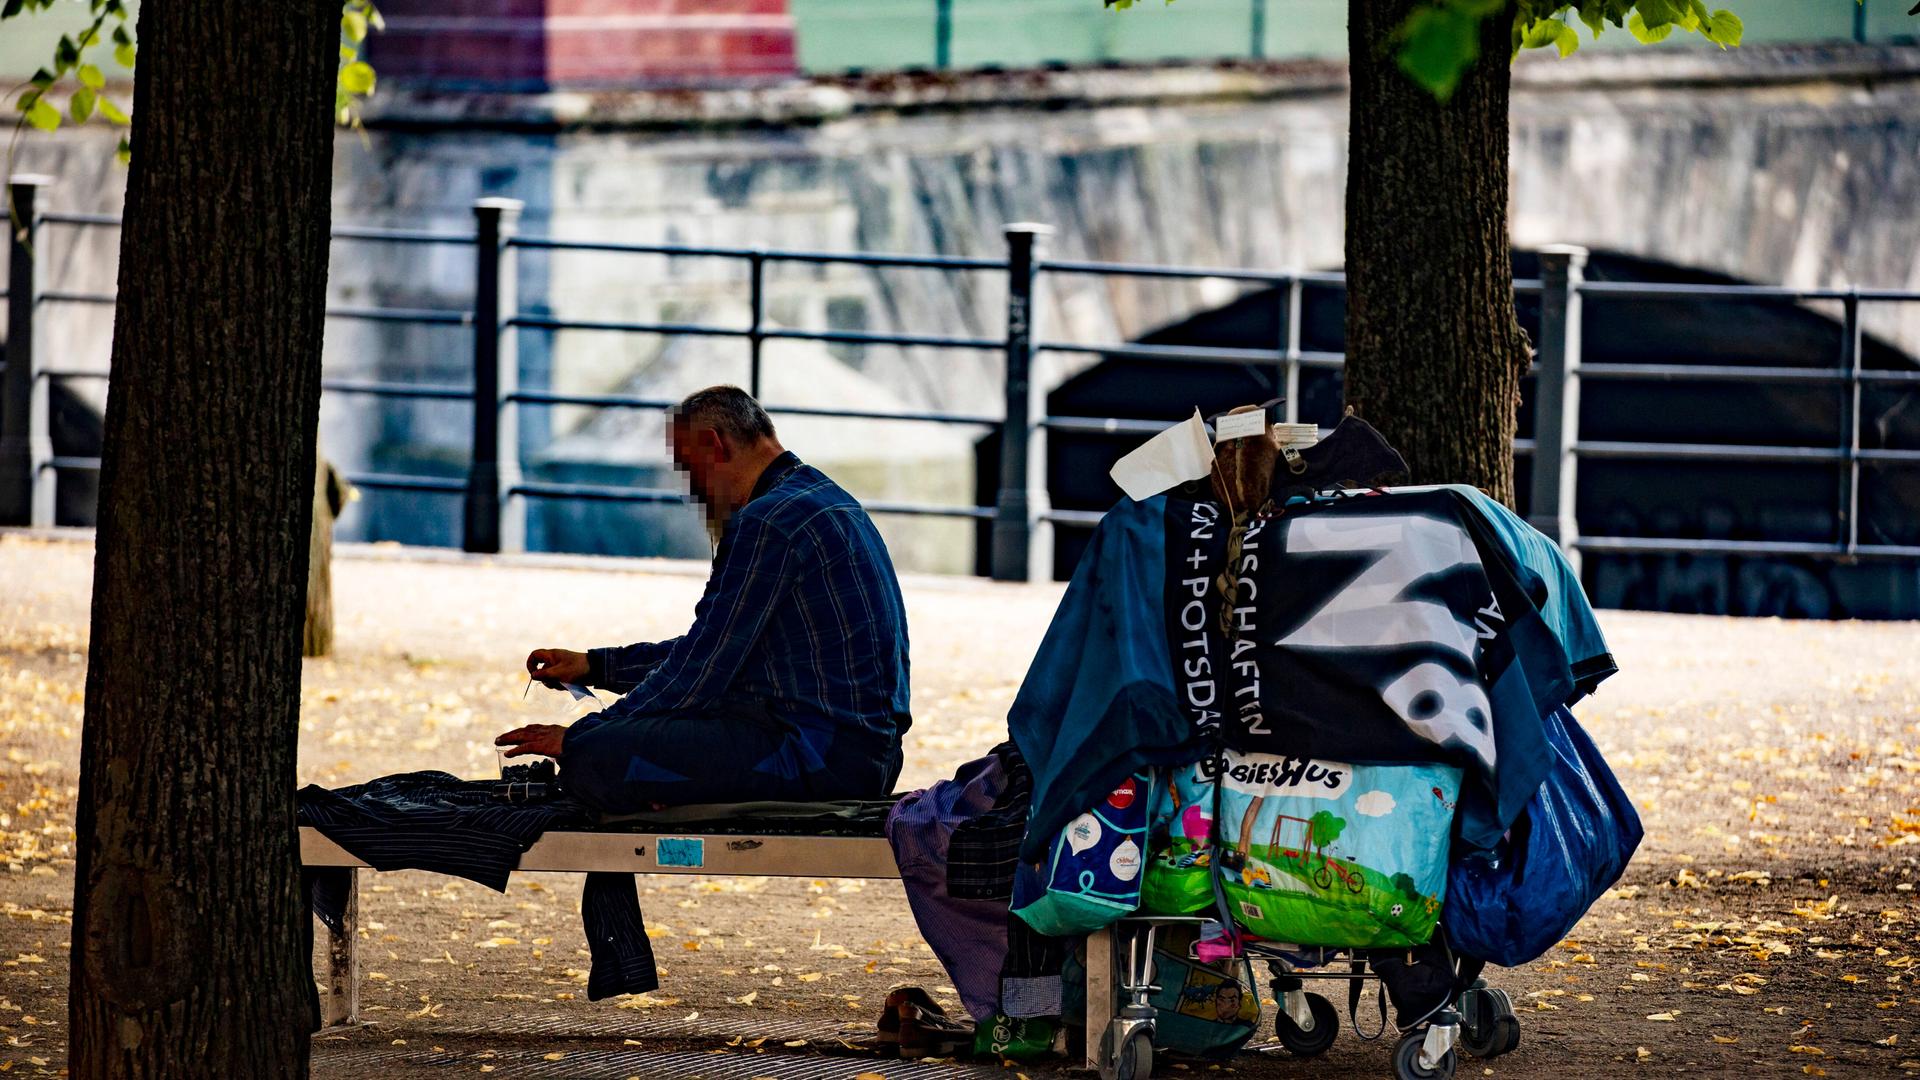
[1569, 847]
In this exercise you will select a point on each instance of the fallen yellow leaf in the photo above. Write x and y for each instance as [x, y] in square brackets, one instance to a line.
[1661, 1016]
[555, 1056]
[1725, 1040]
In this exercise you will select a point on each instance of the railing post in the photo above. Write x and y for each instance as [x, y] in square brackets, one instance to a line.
[1022, 538]
[942, 34]
[1257, 32]
[1556, 398]
[26, 442]
[1849, 537]
[1290, 359]
[495, 517]
[756, 325]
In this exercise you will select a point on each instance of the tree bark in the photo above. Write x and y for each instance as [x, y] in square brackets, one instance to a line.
[189, 924]
[1434, 353]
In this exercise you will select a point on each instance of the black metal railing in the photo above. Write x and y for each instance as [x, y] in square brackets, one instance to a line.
[495, 492]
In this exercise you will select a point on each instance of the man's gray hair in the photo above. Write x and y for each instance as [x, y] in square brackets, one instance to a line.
[728, 410]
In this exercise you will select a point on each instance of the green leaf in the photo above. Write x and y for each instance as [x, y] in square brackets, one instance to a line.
[1540, 35]
[124, 152]
[1655, 14]
[42, 79]
[65, 55]
[1567, 39]
[123, 55]
[1594, 14]
[112, 112]
[1645, 34]
[10, 8]
[1440, 44]
[80, 105]
[357, 78]
[1725, 28]
[121, 37]
[42, 115]
[353, 25]
[90, 77]
[26, 100]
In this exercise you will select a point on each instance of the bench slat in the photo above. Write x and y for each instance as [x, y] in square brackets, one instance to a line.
[644, 853]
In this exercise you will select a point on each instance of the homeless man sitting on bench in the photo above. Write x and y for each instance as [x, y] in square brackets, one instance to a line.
[792, 683]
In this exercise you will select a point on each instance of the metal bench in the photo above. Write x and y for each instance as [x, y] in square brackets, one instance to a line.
[747, 854]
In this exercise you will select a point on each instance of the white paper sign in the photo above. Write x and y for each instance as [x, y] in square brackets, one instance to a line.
[1298, 436]
[1173, 457]
[1242, 425]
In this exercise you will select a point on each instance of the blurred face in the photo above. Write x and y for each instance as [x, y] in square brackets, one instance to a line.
[1226, 1002]
[710, 464]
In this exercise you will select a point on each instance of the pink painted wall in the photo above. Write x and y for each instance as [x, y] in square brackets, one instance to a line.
[539, 44]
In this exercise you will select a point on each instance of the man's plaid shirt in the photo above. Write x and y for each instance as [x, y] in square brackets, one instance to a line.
[802, 615]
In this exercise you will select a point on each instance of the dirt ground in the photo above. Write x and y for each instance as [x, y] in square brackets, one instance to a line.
[1767, 927]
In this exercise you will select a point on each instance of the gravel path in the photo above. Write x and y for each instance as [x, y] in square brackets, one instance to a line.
[1768, 927]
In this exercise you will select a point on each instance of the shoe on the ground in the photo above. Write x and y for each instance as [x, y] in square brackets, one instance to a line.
[925, 1029]
[888, 1026]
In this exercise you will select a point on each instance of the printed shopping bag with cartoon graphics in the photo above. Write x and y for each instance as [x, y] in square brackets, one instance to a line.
[1092, 874]
[1309, 852]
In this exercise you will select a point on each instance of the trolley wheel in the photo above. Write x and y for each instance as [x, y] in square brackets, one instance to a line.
[1134, 1060]
[1489, 1027]
[1314, 1041]
[1406, 1059]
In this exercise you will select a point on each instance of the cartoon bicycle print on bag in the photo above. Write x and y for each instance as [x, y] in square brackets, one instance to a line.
[1309, 851]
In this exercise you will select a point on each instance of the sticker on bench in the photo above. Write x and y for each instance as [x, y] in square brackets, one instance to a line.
[685, 851]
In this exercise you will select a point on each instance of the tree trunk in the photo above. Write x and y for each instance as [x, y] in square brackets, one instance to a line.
[1434, 354]
[188, 955]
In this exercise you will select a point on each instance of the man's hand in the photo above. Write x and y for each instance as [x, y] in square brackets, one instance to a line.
[555, 666]
[542, 739]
